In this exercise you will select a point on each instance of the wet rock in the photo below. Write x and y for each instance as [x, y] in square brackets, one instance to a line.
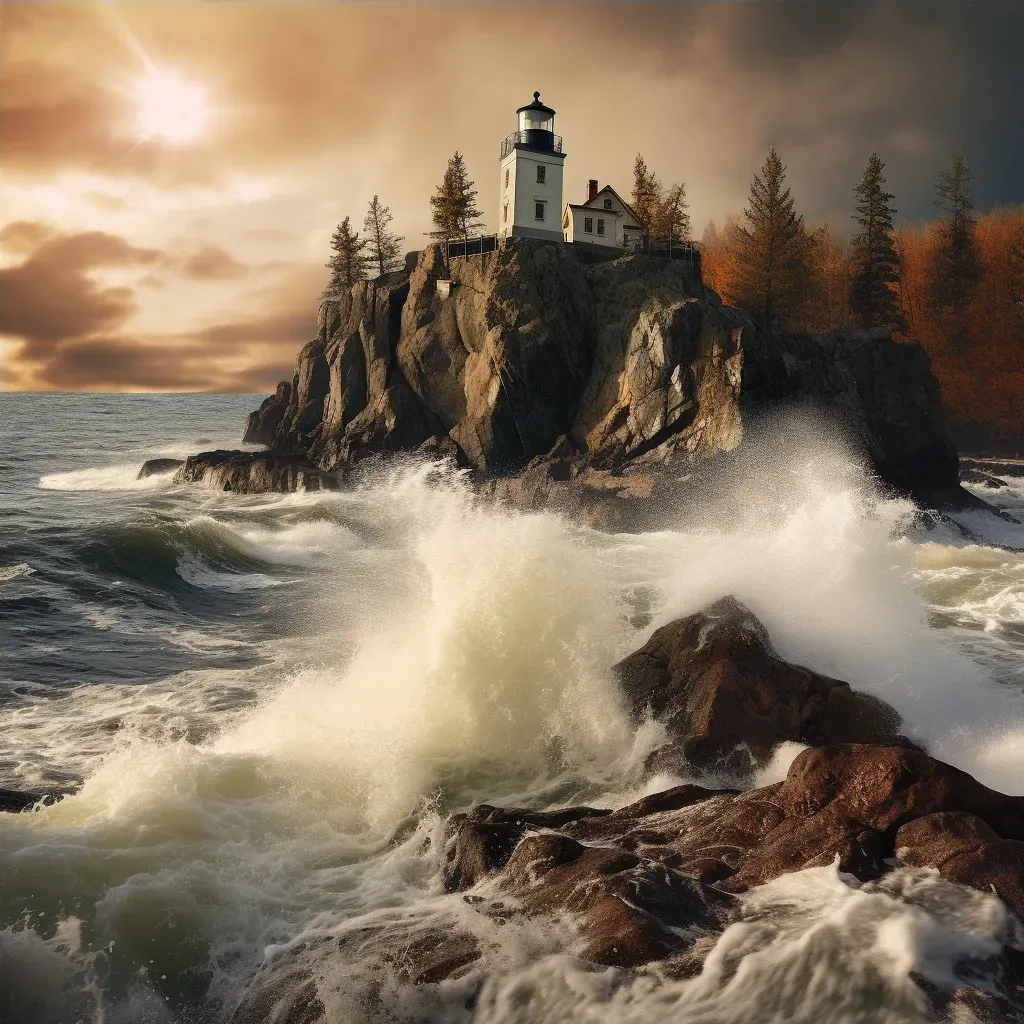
[726, 698]
[978, 476]
[966, 850]
[14, 801]
[481, 842]
[157, 467]
[255, 472]
[263, 423]
[650, 877]
[629, 905]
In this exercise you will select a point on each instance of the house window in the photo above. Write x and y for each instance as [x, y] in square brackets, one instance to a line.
[541, 174]
[588, 225]
[506, 177]
[504, 214]
[607, 202]
[600, 225]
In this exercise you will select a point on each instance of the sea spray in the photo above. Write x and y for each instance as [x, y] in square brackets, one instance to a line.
[420, 652]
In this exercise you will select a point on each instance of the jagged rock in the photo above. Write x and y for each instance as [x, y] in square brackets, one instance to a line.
[156, 467]
[254, 472]
[263, 423]
[482, 842]
[859, 803]
[715, 682]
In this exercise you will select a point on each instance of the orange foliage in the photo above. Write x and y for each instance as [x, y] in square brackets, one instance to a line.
[981, 373]
[982, 376]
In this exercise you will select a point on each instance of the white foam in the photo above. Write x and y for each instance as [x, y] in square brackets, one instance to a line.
[105, 478]
[13, 572]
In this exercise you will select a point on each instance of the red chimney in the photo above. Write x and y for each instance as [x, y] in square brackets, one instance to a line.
[591, 189]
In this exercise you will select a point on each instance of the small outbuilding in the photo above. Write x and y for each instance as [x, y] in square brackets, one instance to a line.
[604, 219]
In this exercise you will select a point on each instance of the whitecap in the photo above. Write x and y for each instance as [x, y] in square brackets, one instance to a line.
[13, 572]
[104, 478]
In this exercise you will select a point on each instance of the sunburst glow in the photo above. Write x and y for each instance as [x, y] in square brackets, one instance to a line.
[170, 107]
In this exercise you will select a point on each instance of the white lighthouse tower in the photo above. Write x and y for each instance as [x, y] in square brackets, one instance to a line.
[531, 176]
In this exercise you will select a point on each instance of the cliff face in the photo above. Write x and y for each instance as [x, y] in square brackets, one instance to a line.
[630, 359]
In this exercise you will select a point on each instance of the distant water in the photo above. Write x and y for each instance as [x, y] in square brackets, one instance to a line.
[270, 703]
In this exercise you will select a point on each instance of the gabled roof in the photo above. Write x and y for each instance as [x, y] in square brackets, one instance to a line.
[626, 205]
[595, 209]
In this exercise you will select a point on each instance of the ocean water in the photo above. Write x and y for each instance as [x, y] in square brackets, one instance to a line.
[268, 704]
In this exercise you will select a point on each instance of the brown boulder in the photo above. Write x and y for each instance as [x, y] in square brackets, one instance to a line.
[966, 850]
[714, 680]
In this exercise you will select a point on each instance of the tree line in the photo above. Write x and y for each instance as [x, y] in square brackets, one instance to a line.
[378, 250]
[955, 284]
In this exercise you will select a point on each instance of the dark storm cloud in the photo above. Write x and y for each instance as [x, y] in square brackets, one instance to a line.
[828, 83]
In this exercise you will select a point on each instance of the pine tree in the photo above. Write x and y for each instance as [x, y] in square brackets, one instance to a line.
[647, 194]
[348, 264]
[454, 206]
[957, 267]
[671, 219]
[384, 246]
[874, 296]
[771, 251]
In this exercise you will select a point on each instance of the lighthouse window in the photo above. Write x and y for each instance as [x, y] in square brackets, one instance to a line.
[600, 225]
[538, 211]
[506, 177]
[588, 225]
[504, 214]
[541, 174]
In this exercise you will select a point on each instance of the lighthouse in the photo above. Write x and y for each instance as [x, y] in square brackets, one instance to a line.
[531, 176]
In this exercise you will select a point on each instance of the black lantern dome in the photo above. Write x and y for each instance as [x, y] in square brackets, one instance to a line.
[536, 129]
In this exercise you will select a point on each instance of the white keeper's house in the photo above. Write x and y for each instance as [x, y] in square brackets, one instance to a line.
[604, 219]
[531, 190]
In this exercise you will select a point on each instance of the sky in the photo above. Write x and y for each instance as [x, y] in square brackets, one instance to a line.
[172, 172]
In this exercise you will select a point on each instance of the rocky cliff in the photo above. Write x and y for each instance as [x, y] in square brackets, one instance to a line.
[627, 361]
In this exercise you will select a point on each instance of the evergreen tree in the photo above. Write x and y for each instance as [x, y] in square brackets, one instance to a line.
[771, 251]
[647, 194]
[874, 298]
[454, 206]
[957, 267]
[672, 219]
[348, 264]
[384, 247]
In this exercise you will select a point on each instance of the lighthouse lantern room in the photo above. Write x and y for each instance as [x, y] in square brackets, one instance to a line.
[531, 176]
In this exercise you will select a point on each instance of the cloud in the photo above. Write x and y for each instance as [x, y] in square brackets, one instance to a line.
[51, 296]
[212, 262]
[72, 331]
[315, 107]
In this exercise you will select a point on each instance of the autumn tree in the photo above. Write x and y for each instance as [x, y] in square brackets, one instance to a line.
[828, 297]
[348, 264]
[874, 265]
[957, 267]
[1017, 270]
[384, 247]
[455, 212]
[647, 194]
[771, 251]
[672, 218]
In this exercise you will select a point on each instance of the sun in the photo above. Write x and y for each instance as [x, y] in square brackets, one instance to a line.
[169, 107]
